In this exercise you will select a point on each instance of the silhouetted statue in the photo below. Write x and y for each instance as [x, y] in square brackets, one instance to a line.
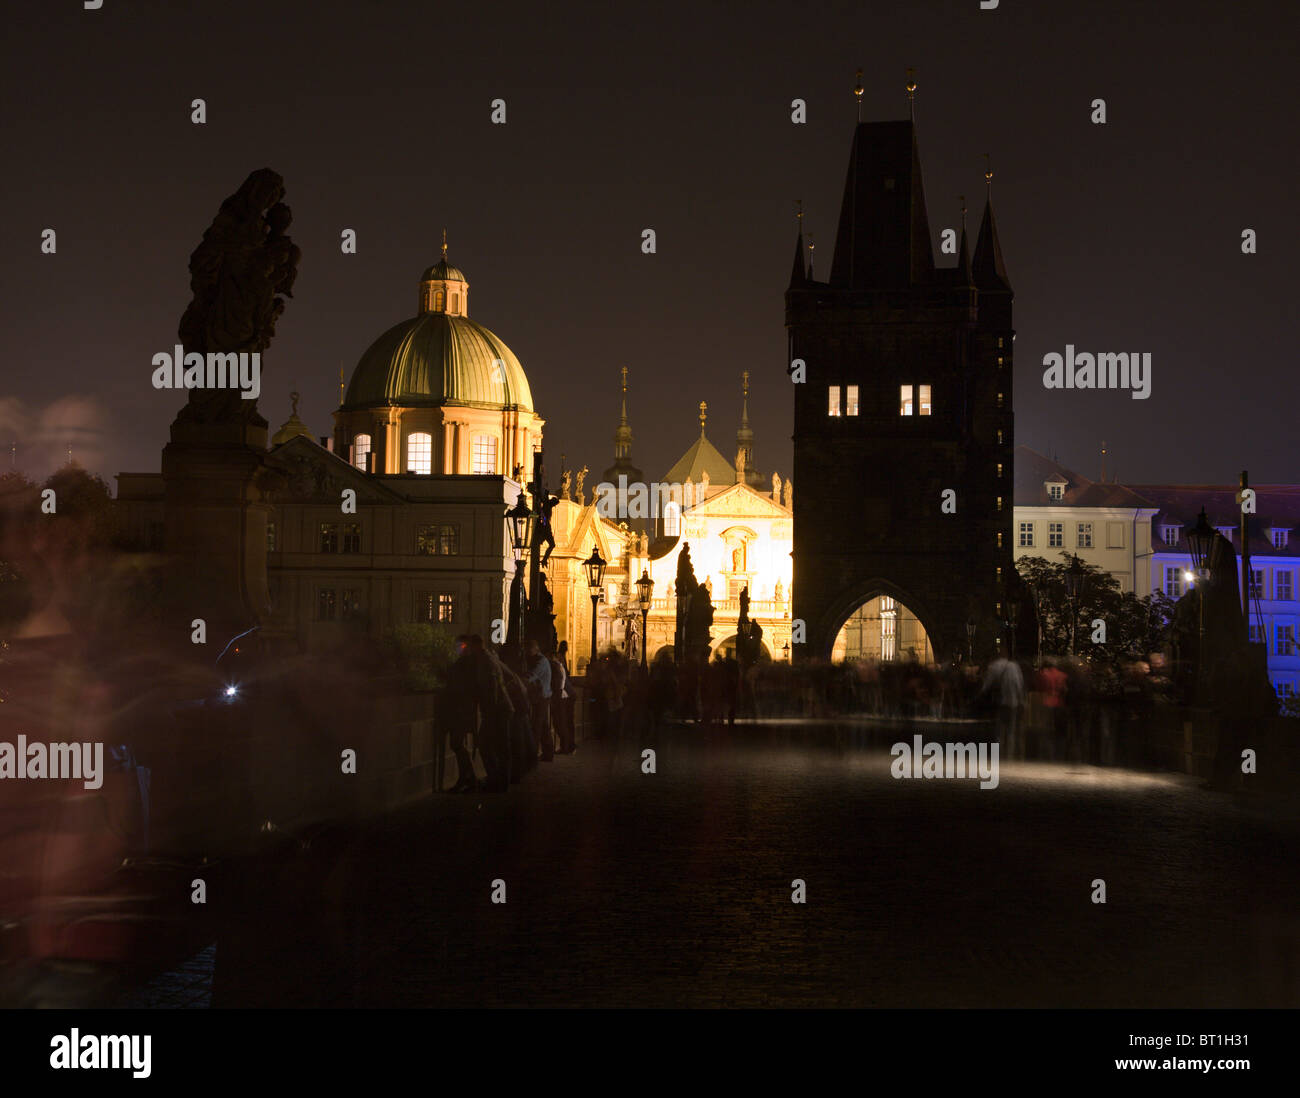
[237, 274]
[546, 534]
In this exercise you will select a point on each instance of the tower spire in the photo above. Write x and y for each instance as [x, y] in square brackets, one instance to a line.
[704, 414]
[988, 269]
[797, 273]
[444, 244]
[911, 95]
[857, 91]
[963, 257]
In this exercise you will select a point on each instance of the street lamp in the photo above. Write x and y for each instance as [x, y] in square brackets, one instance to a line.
[644, 589]
[785, 649]
[1199, 540]
[519, 525]
[595, 567]
[519, 522]
[1074, 588]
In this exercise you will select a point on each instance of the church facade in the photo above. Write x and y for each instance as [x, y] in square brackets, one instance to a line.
[903, 425]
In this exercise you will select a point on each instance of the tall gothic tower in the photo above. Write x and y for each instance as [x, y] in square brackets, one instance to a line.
[903, 430]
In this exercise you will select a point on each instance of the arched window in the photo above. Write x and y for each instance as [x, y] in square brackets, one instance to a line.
[360, 451]
[438, 299]
[455, 303]
[419, 453]
[672, 519]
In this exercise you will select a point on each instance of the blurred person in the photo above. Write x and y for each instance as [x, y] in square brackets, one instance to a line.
[1005, 685]
[662, 687]
[538, 675]
[462, 712]
[1052, 684]
[496, 712]
[560, 705]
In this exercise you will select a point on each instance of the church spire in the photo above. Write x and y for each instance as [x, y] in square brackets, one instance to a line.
[744, 436]
[623, 442]
[623, 436]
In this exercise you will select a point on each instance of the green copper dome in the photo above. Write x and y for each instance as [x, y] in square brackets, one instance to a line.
[436, 358]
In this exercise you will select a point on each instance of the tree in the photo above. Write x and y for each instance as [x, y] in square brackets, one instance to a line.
[1134, 626]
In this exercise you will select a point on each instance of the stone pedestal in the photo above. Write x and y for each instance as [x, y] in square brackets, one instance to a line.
[216, 519]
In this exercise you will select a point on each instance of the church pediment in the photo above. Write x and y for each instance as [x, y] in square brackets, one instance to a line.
[738, 501]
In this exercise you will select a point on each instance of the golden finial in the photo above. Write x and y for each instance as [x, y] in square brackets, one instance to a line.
[798, 216]
[294, 397]
[444, 245]
[857, 91]
[624, 373]
[704, 414]
[988, 174]
[341, 386]
[911, 94]
[812, 247]
[744, 377]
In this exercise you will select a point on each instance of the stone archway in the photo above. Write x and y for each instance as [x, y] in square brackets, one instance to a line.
[883, 629]
[878, 621]
[728, 645]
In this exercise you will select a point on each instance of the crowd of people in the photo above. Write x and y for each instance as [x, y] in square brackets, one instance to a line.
[515, 708]
[520, 706]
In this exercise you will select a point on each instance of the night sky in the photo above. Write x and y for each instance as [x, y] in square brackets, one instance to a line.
[1117, 237]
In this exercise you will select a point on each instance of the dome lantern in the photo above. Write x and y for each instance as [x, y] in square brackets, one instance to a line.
[443, 288]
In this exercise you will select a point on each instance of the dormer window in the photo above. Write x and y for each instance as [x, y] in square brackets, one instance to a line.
[1170, 534]
[1278, 536]
[1226, 531]
[1056, 489]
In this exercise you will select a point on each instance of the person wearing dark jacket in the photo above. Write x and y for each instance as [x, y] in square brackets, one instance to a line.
[462, 713]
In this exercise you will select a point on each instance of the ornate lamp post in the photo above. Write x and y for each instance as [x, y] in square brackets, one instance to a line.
[644, 590]
[595, 566]
[1074, 588]
[785, 649]
[519, 525]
